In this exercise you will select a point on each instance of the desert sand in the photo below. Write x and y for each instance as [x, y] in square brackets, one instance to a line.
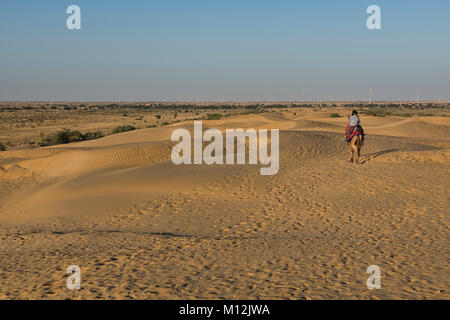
[140, 227]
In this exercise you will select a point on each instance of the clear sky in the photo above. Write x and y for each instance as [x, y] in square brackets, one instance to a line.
[240, 49]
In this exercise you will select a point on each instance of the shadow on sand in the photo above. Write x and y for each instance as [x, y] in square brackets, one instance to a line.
[371, 156]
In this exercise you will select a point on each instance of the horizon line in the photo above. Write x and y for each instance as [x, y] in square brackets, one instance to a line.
[226, 102]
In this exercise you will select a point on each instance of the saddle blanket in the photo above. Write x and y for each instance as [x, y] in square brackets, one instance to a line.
[350, 132]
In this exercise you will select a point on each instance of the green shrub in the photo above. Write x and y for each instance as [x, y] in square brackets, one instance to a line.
[124, 128]
[61, 137]
[2, 147]
[165, 123]
[93, 135]
[68, 136]
[335, 115]
[213, 116]
[151, 126]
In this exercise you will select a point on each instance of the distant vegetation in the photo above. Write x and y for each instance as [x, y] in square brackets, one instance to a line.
[160, 114]
[213, 116]
[252, 111]
[68, 136]
[93, 135]
[124, 128]
[384, 113]
[2, 147]
[428, 114]
[60, 137]
[189, 107]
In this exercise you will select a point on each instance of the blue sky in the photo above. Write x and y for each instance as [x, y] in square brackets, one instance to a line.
[243, 50]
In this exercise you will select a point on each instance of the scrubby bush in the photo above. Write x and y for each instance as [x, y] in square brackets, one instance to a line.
[93, 135]
[165, 123]
[124, 128]
[2, 147]
[213, 116]
[426, 114]
[376, 113]
[61, 137]
[335, 115]
[385, 113]
[68, 136]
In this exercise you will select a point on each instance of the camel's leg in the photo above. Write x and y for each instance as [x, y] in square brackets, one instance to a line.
[360, 145]
[351, 153]
[356, 149]
[355, 153]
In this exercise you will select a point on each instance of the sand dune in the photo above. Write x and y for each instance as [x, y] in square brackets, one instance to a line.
[418, 128]
[141, 227]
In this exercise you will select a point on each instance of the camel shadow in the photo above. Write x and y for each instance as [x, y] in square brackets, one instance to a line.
[373, 155]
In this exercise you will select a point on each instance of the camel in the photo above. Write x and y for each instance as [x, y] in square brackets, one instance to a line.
[355, 144]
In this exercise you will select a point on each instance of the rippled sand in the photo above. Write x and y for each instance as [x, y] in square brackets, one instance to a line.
[140, 227]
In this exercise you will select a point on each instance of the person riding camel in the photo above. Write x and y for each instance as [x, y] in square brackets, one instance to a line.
[353, 127]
